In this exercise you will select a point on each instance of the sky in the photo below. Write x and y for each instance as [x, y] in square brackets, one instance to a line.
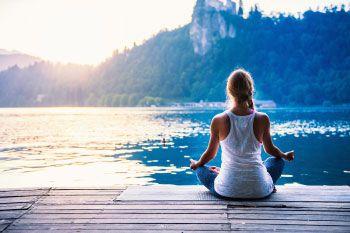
[88, 31]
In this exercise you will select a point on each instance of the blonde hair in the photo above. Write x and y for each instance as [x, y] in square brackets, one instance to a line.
[240, 87]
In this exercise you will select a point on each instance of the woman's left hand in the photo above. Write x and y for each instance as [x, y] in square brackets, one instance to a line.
[214, 169]
[194, 164]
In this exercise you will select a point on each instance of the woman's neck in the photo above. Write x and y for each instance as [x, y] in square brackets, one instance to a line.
[241, 109]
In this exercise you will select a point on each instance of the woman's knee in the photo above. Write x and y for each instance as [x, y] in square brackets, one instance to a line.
[201, 172]
[280, 162]
[276, 161]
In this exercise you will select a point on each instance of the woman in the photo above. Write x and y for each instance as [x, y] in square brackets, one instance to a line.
[240, 131]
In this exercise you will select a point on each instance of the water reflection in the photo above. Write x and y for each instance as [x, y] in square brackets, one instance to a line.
[121, 146]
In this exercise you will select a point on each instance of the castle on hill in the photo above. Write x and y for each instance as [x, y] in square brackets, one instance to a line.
[220, 6]
[209, 24]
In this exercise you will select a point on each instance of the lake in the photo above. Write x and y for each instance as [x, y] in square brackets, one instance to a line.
[42, 147]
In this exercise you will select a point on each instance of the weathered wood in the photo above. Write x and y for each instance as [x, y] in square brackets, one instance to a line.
[4, 221]
[181, 227]
[122, 220]
[128, 215]
[289, 222]
[173, 209]
[286, 227]
[282, 211]
[126, 211]
[64, 200]
[11, 214]
[231, 204]
[24, 193]
[91, 188]
[295, 204]
[303, 217]
[84, 192]
[144, 207]
[14, 206]
[3, 226]
[23, 189]
[25, 199]
[119, 231]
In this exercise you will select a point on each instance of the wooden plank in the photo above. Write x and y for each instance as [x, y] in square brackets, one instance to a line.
[121, 220]
[287, 227]
[8, 200]
[164, 192]
[289, 222]
[126, 211]
[127, 215]
[23, 189]
[4, 222]
[149, 207]
[180, 227]
[11, 214]
[14, 206]
[284, 216]
[53, 200]
[345, 206]
[171, 202]
[223, 202]
[119, 231]
[314, 187]
[84, 192]
[289, 211]
[25, 193]
[91, 188]
[307, 197]
[3, 226]
[291, 204]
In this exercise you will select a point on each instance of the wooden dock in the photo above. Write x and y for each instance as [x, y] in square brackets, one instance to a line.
[163, 208]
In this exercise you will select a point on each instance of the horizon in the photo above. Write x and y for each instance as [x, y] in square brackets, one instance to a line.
[103, 28]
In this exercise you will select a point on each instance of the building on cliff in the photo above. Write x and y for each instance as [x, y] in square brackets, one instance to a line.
[209, 24]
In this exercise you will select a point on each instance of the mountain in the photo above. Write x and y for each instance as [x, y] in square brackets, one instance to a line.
[11, 58]
[210, 22]
[294, 61]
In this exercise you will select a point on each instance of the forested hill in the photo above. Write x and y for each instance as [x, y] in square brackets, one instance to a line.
[294, 61]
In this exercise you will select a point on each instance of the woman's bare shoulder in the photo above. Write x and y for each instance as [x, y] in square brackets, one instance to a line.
[262, 117]
[220, 118]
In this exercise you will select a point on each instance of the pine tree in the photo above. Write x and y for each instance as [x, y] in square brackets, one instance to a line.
[240, 9]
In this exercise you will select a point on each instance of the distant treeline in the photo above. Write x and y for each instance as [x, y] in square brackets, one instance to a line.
[294, 61]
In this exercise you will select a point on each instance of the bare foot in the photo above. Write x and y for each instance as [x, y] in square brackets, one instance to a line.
[274, 189]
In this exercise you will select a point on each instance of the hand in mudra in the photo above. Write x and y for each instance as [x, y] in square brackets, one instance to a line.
[214, 169]
[289, 156]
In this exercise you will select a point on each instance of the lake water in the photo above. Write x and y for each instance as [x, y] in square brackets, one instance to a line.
[123, 146]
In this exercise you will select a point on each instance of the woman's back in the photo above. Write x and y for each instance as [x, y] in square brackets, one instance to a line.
[242, 174]
[241, 134]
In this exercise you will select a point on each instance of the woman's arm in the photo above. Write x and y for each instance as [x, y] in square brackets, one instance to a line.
[213, 146]
[269, 147]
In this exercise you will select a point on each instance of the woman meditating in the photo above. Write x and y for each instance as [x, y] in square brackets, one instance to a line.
[240, 131]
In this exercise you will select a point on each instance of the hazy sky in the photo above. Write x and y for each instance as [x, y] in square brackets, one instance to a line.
[88, 31]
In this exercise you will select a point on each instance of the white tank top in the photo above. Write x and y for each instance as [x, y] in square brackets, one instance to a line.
[242, 174]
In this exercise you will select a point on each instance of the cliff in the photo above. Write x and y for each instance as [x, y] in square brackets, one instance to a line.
[210, 21]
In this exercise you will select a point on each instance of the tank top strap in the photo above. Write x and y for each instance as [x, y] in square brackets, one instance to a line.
[255, 140]
[230, 116]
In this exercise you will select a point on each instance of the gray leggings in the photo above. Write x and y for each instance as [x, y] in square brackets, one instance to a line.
[273, 165]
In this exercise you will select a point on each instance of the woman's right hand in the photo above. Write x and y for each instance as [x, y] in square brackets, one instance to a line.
[289, 156]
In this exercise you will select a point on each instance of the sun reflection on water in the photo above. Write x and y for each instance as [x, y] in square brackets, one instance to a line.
[116, 146]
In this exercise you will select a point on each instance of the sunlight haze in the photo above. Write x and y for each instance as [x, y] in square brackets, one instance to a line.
[88, 31]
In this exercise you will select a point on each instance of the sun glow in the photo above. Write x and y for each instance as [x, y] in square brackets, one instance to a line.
[88, 31]
[85, 31]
